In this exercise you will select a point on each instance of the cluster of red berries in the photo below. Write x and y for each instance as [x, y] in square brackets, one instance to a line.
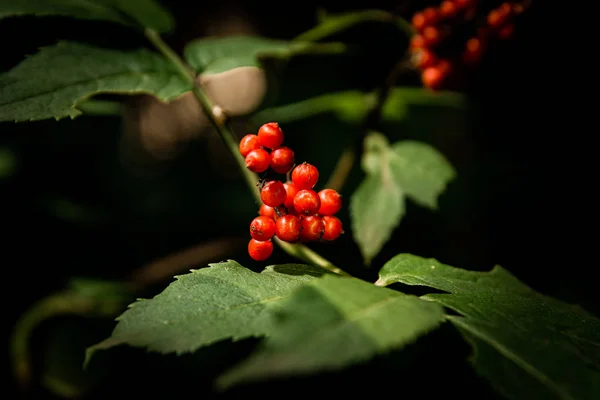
[292, 210]
[456, 34]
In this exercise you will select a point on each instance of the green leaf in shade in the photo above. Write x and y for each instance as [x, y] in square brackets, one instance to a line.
[333, 322]
[224, 301]
[144, 13]
[406, 168]
[529, 346]
[215, 55]
[51, 83]
[421, 171]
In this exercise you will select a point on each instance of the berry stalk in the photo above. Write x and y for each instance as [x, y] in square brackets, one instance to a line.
[218, 119]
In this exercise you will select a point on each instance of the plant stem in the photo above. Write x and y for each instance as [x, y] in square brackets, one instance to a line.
[218, 119]
[342, 168]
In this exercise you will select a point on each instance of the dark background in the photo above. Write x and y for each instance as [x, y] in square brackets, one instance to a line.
[516, 201]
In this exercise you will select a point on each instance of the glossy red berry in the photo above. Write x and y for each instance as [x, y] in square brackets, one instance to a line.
[417, 42]
[248, 143]
[473, 51]
[282, 160]
[462, 4]
[288, 228]
[262, 228]
[498, 17]
[419, 21]
[267, 211]
[448, 9]
[435, 77]
[312, 228]
[432, 16]
[506, 32]
[260, 251]
[331, 202]
[307, 202]
[273, 193]
[305, 176]
[258, 160]
[432, 36]
[290, 190]
[270, 135]
[332, 228]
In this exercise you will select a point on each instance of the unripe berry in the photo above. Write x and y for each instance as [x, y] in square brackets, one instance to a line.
[305, 176]
[288, 228]
[270, 135]
[425, 58]
[290, 190]
[282, 160]
[331, 202]
[307, 202]
[262, 228]
[258, 160]
[260, 251]
[312, 228]
[267, 211]
[332, 228]
[248, 143]
[273, 193]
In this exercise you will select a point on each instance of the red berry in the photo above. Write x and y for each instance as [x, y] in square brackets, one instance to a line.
[432, 36]
[435, 77]
[312, 228]
[473, 51]
[431, 15]
[249, 143]
[498, 17]
[462, 4]
[270, 135]
[331, 202]
[290, 190]
[332, 228]
[262, 228]
[258, 160]
[282, 160]
[307, 202]
[425, 58]
[273, 193]
[288, 228]
[506, 32]
[417, 42]
[419, 21]
[448, 9]
[260, 251]
[267, 211]
[305, 176]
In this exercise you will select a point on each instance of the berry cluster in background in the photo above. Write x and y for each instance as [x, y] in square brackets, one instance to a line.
[291, 210]
[452, 38]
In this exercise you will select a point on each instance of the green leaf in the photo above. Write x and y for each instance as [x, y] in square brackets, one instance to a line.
[145, 13]
[224, 301]
[516, 331]
[51, 83]
[333, 322]
[421, 171]
[215, 55]
[407, 168]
